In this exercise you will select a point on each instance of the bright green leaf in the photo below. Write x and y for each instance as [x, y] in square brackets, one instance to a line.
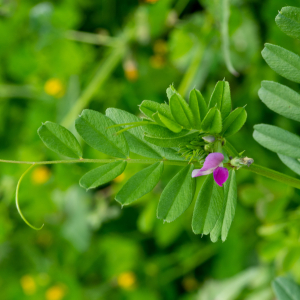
[221, 98]
[162, 132]
[288, 20]
[134, 136]
[234, 122]
[290, 162]
[286, 289]
[280, 99]
[282, 61]
[181, 111]
[59, 139]
[102, 174]
[198, 107]
[277, 140]
[157, 119]
[228, 211]
[212, 122]
[177, 195]
[208, 206]
[93, 127]
[148, 108]
[170, 142]
[140, 184]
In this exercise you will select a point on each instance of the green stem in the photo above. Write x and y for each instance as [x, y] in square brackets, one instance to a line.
[104, 71]
[291, 181]
[103, 161]
[92, 38]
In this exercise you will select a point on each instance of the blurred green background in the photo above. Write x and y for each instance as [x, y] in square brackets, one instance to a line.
[59, 57]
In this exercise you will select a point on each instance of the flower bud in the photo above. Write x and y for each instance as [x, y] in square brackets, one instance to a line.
[209, 138]
[241, 161]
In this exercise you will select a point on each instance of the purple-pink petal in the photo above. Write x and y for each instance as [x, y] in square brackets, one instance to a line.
[201, 172]
[213, 160]
[220, 175]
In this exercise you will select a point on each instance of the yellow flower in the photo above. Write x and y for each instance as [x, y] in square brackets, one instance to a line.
[54, 87]
[120, 178]
[56, 292]
[40, 175]
[130, 70]
[151, 1]
[28, 285]
[160, 47]
[127, 280]
[157, 61]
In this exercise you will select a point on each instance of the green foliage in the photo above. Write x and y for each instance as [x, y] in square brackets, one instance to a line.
[234, 122]
[281, 99]
[177, 196]
[93, 127]
[140, 184]
[208, 206]
[224, 222]
[60, 140]
[212, 123]
[221, 98]
[291, 162]
[282, 61]
[198, 107]
[289, 22]
[102, 174]
[286, 289]
[277, 140]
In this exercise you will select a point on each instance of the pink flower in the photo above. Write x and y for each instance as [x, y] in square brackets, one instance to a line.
[213, 164]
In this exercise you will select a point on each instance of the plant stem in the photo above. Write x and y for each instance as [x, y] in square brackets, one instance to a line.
[104, 161]
[291, 181]
[104, 71]
[91, 38]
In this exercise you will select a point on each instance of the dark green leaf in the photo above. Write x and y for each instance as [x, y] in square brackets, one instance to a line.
[277, 140]
[286, 289]
[140, 184]
[198, 107]
[102, 174]
[280, 99]
[228, 211]
[181, 112]
[177, 195]
[59, 139]
[208, 206]
[93, 127]
[221, 98]
[212, 122]
[290, 162]
[288, 20]
[234, 122]
[282, 61]
[171, 142]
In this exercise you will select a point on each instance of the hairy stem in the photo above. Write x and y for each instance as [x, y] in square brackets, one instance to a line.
[104, 161]
[291, 181]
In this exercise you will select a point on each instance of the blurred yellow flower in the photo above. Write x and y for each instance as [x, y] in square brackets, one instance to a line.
[157, 61]
[151, 1]
[189, 283]
[56, 292]
[130, 70]
[160, 47]
[120, 178]
[28, 285]
[54, 87]
[127, 280]
[40, 175]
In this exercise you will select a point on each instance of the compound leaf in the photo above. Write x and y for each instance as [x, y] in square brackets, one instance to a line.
[59, 139]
